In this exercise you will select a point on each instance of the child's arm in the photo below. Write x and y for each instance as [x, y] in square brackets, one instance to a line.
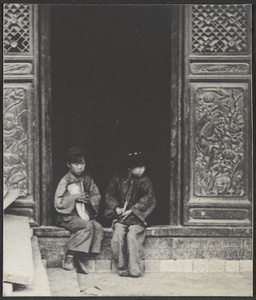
[111, 202]
[147, 202]
[64, 203]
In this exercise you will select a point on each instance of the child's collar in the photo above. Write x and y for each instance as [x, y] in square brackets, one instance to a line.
[130, 176]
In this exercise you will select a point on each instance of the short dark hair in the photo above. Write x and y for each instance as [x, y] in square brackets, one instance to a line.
[75, 158]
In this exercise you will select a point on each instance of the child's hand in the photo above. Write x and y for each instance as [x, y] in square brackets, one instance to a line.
[119, 210]
[126, 213]
[82, 197]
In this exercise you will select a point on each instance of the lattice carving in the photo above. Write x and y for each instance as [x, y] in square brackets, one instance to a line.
[17, 28]
[219, 154]
[15, 139]
[220, 28]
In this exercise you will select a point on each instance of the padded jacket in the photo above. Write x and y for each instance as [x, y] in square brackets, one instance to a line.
[65, 203]
[138, 191]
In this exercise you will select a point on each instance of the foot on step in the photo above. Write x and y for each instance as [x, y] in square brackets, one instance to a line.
[68, 263]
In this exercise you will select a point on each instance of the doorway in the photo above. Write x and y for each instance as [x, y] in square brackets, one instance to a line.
[111, 91]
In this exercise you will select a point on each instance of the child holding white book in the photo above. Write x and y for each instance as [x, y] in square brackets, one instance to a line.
[77, 200]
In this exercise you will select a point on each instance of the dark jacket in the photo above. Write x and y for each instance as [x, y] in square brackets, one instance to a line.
[65, 203]
[138, 190]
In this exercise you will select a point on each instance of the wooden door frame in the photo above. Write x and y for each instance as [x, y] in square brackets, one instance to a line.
[177, 50]
[176, 112]
[46, 192]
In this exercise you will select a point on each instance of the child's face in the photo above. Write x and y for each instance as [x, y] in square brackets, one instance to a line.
[138, 171]
[77, 168]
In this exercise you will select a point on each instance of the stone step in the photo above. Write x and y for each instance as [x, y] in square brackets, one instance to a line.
[17, 250]
[62, 282]
[163, 244]
[40, 285]
[177, 266]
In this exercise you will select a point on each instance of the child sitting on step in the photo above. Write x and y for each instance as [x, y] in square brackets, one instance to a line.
[77, 200]
[129, 200]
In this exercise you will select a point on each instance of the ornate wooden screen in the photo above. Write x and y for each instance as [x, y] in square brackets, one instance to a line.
[20, 108]
[217, 114]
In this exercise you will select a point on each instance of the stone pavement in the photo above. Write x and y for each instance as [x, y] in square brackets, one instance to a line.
[63, 283]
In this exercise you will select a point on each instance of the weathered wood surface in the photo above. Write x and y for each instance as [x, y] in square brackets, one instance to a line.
[10, 196]
[40, 285]
[17, 250]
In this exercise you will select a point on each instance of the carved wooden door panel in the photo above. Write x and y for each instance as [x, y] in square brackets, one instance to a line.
[217, 114]
[20, 108]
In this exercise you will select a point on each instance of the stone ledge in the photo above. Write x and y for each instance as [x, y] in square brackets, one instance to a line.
[246, 266]
[200, 249]
[178, 266]
[160, 231]
[180, 244]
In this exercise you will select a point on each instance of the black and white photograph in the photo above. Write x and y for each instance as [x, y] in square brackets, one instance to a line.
[128, 149]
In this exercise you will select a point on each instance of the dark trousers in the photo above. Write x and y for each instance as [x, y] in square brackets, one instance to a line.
[127, 247]
[86, 236]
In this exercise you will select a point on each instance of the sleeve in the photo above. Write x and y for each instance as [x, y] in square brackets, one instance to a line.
[111, 201]
[146, 203]
[64, 203]
[94, 196]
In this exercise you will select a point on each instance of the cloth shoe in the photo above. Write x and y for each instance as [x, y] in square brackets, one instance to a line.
[123, 272]
[69, 263]
[134, 276]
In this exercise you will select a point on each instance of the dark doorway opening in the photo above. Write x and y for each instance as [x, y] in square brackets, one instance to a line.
[111, 90]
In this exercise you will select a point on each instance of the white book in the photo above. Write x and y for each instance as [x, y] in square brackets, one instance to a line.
[77, 188]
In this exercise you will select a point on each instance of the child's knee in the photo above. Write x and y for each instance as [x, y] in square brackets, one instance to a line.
[131, 236]
[119, 231]
[96, 225]
[120, 227]
[98, 228]
[134, 236]
[86, 225]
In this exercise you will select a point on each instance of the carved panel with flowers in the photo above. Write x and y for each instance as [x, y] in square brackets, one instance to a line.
[15, 138]
[219, 141]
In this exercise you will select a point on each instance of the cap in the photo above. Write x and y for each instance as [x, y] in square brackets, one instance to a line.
[135, 159]
[73, 151]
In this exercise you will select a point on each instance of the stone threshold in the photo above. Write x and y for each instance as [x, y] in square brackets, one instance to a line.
[160, 231]
[181, 265]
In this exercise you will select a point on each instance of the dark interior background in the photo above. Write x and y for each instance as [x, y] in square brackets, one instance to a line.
[111, 91]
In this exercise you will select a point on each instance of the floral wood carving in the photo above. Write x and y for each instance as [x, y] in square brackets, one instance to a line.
[219, 68]
[17, 68]
[17, 28]
[220, 28]
[219, 154]
[15, 139]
